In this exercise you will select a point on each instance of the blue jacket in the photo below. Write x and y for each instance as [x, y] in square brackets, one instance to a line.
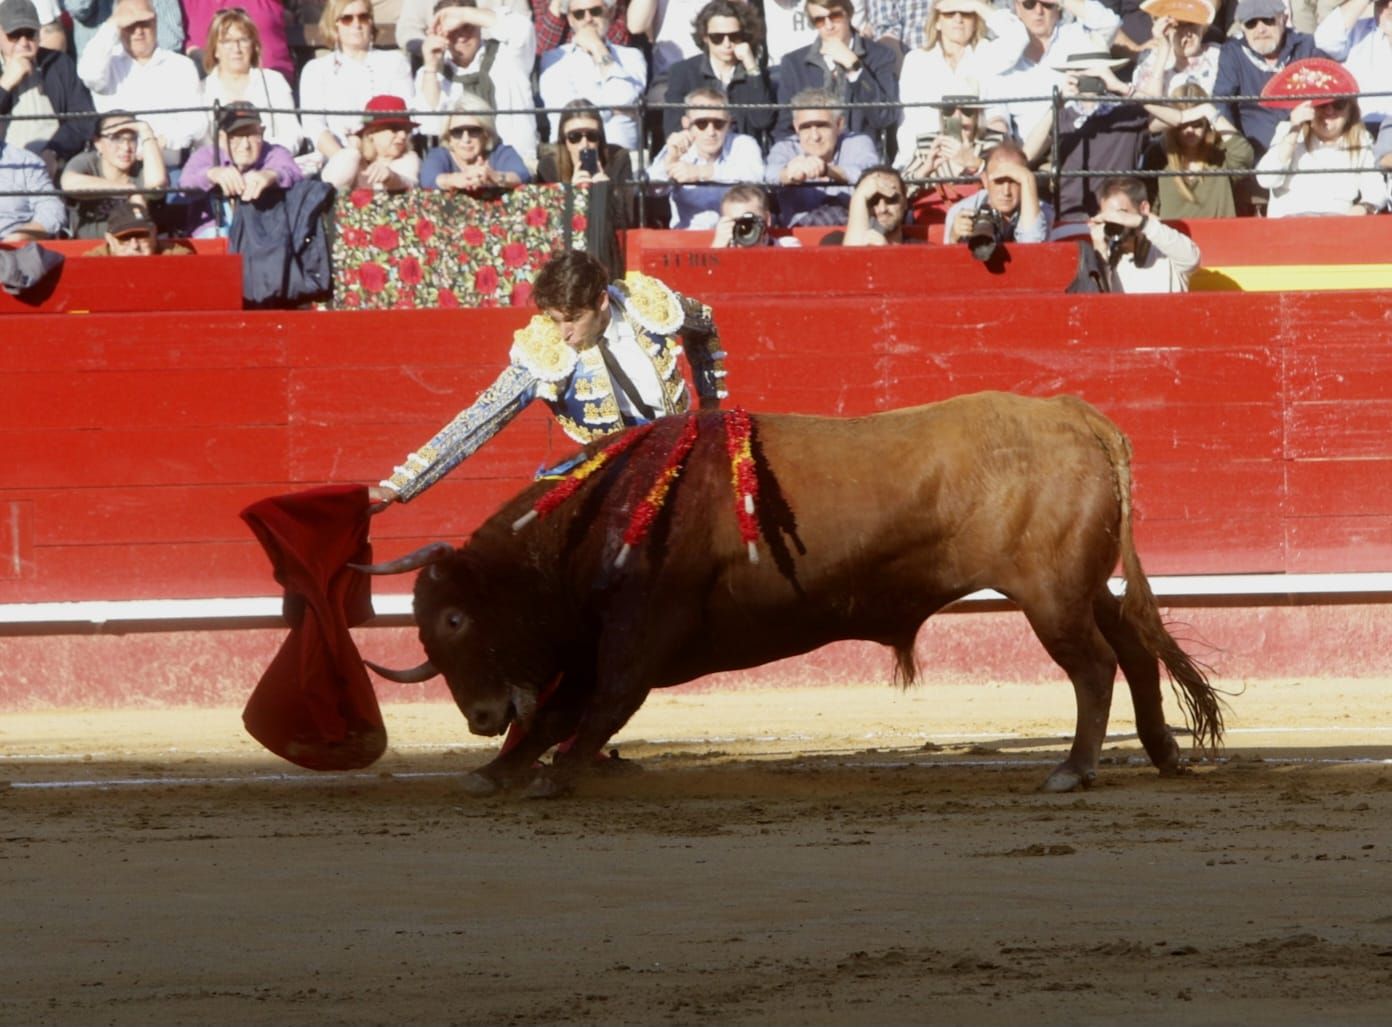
[877, 81]
[1239, 75]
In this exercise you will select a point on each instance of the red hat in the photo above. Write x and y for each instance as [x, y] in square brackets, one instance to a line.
[386, 111]
[1316, 79]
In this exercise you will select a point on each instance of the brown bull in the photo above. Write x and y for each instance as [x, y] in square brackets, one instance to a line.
[867, 527]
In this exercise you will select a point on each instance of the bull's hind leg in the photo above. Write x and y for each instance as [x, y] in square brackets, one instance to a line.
[1071, 636]
[1142, 670]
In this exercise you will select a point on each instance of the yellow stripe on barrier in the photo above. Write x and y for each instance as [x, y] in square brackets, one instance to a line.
[1291, 278]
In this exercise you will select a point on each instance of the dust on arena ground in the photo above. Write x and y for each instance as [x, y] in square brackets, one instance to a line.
[830, 855]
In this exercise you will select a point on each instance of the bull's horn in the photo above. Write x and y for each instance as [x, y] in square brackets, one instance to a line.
[433, 553]
[415, 675]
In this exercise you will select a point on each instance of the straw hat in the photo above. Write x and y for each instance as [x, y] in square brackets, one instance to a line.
[1196, 12]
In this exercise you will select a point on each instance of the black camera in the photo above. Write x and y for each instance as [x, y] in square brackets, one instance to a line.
[748, 230]
[988, 230]
[1091, 85]
[1113, 233]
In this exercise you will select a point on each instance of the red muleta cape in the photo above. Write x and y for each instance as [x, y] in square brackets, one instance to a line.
[314, 705]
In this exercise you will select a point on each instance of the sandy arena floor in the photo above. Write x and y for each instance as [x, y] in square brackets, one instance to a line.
[849, 855]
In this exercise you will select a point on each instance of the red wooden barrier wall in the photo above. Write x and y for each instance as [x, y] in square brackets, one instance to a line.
[1260, 423]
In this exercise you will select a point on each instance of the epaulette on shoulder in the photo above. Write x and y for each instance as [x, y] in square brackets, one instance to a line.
[652, 304]
[540, 349]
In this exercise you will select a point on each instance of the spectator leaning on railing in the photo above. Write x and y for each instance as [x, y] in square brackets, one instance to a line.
[125, 155]
[379, 155]
[702, 158]
[241, 167]
[816, 169]
[1197, 138]
[32, 215]
[470, 157]
[38, 81]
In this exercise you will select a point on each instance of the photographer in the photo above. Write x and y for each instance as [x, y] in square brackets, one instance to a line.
[744, 220]
[1007, 209]
[1142, 253]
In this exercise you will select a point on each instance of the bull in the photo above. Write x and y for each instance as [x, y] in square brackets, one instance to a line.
[866, 527]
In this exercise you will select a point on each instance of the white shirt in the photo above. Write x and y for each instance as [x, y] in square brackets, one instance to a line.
[625, 348]
[1366, 52]
[1172, 258]
[338, 83]
[1202, 69]
[119, 82]
[1027, 79]
[926, 77]
[266, 88]
[512, 87]
[1293, 195]
[570, 73]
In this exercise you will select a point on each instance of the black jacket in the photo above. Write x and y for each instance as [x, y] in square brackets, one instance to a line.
[68, 95]
[695, 73]
[877, 82]
[284, 245]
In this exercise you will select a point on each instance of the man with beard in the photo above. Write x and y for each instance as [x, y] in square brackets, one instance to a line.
[1248, 62]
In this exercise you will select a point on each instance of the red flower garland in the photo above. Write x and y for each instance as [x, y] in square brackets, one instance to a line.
[568, 486]
[646, 511]
[743, 476]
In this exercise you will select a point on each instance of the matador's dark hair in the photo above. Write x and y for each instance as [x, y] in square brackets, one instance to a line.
[570, 281]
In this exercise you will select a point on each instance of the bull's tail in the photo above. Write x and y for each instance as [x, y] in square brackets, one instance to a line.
[1203, 709]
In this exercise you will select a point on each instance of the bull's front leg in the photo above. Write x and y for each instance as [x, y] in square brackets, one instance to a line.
[516, 765]
[609, 711]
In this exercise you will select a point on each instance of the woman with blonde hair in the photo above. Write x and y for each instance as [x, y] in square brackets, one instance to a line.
[470, 156]
[1196, 139]
[232, 60]
[1325, 136]
[347, 77]
[967, 43]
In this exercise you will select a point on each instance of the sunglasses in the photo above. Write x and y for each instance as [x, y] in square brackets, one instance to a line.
[122, 138]
[584, 13]
[1252, 23]
[582, 135]
[472, 131]
[719, 37]
[890, 199]
[1335, 106]
[1030, 5]
[961, 15]
[148, 25]
[809, 125]
[818, 20]
[18, 34]
[702, 124]
[349, 19]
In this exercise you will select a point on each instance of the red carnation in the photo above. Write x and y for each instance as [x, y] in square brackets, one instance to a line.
[448, 299]
[373, 276]
[485, 281]
[521, 294]
[384, 237]
[425, 228]
[350, 276]
[354, 237]
[495, 229]
[473, 236]
[538, 217]
[579, 222]
[352, 300]
[410, 271]
[360, 198]
[405, 302]
[514, 254]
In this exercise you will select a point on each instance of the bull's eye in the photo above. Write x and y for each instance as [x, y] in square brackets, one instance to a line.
[454, 619]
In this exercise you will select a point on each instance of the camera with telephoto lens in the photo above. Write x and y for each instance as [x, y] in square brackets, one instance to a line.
[988, 230]
[748, 230]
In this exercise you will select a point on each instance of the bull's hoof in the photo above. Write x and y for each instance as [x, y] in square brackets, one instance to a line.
[615, 765]
[479, 786]
[547, 786]
[1067, 779]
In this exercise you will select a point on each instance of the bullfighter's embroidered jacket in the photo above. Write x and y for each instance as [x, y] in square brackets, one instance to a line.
[576, 385]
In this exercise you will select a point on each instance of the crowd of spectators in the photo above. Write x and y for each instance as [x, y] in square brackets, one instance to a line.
[956, 108]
